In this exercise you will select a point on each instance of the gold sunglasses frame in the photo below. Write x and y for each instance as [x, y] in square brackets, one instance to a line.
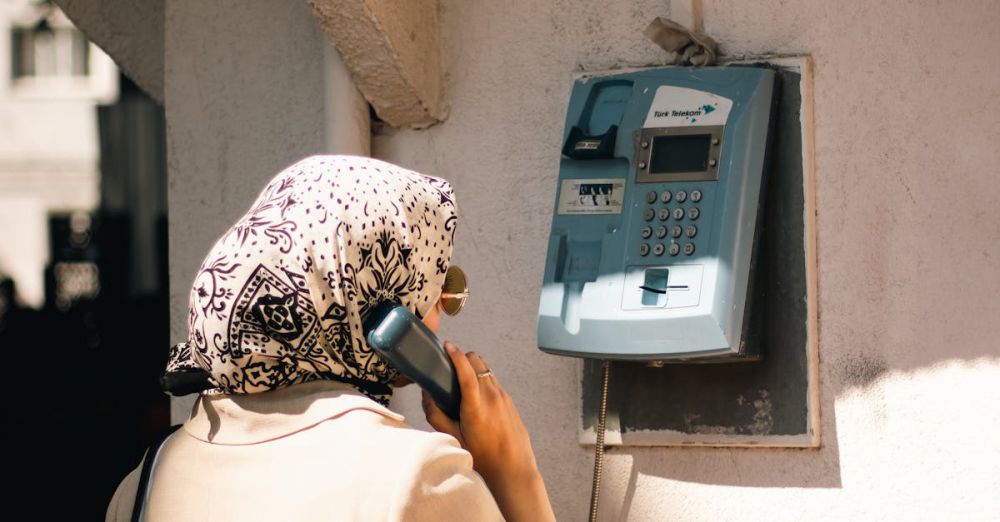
[462, 295]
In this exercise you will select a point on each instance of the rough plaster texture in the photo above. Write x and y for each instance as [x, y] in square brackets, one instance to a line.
[392, 51]
[130, 32]
[245, 89]
[908, 242]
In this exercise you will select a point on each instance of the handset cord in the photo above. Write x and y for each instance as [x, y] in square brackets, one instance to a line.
[595, 492]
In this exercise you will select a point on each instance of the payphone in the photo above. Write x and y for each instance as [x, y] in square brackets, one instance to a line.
[654, 226]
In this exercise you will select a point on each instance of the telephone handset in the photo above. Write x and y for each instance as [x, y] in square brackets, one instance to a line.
[413, 349]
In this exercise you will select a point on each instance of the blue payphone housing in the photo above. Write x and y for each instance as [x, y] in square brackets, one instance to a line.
[654, 226]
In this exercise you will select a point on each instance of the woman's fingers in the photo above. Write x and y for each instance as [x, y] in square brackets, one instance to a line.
[466, 377]
[477, 362]
[488, 385]
[438, 419]
[492, 432]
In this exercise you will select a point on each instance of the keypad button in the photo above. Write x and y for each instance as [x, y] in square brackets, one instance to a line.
[665, 196]
[674, 249]
[644, 249]
[649, 214]
[676, 231]
[691, 231]
[681, 196]
[693, 213]
[651, 197]
[664, 214]
[646, 232]
[688, 248]
[678, 214]
[696, 195]
[658, 249]
[661, 232]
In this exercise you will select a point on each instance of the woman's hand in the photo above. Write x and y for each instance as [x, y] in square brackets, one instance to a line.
[491, 430]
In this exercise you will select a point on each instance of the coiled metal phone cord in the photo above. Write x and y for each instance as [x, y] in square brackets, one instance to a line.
[595, 492]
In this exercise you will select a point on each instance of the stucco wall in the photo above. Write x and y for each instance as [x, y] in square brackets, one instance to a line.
[908, 242]
[244, 99]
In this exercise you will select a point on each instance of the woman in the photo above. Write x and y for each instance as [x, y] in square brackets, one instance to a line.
[291, 422]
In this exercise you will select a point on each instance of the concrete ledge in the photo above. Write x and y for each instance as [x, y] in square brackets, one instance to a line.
[392, 52]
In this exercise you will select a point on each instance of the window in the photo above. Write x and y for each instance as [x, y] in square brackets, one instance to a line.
[51, 59]
[45, 51]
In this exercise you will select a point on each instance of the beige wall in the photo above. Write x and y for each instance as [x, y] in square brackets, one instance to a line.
[243, 90]
[250, 88]
[908, 235]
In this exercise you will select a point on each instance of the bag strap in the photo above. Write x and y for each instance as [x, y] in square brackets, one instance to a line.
[147, 470]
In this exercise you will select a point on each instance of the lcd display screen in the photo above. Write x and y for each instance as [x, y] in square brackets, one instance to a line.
[685, 153]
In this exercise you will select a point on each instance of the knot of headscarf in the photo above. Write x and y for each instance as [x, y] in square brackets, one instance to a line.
[281, 296]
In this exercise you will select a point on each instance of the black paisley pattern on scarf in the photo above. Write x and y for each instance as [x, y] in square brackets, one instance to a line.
[281, 296]
[386, 274]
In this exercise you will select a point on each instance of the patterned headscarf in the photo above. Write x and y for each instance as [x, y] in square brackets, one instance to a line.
[281, 297]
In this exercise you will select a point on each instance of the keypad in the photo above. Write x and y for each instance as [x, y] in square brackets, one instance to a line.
[681, 227]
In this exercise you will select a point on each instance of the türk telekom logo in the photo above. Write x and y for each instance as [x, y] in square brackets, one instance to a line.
[693, 114]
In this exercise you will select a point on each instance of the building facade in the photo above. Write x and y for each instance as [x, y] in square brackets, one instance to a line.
[51, 81]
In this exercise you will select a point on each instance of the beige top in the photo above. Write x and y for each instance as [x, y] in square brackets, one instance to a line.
[313, 451]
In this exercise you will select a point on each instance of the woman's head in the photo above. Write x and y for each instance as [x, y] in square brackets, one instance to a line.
[281, 296]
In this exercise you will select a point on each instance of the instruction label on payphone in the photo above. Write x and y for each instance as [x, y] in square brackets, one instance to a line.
[591, 196]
